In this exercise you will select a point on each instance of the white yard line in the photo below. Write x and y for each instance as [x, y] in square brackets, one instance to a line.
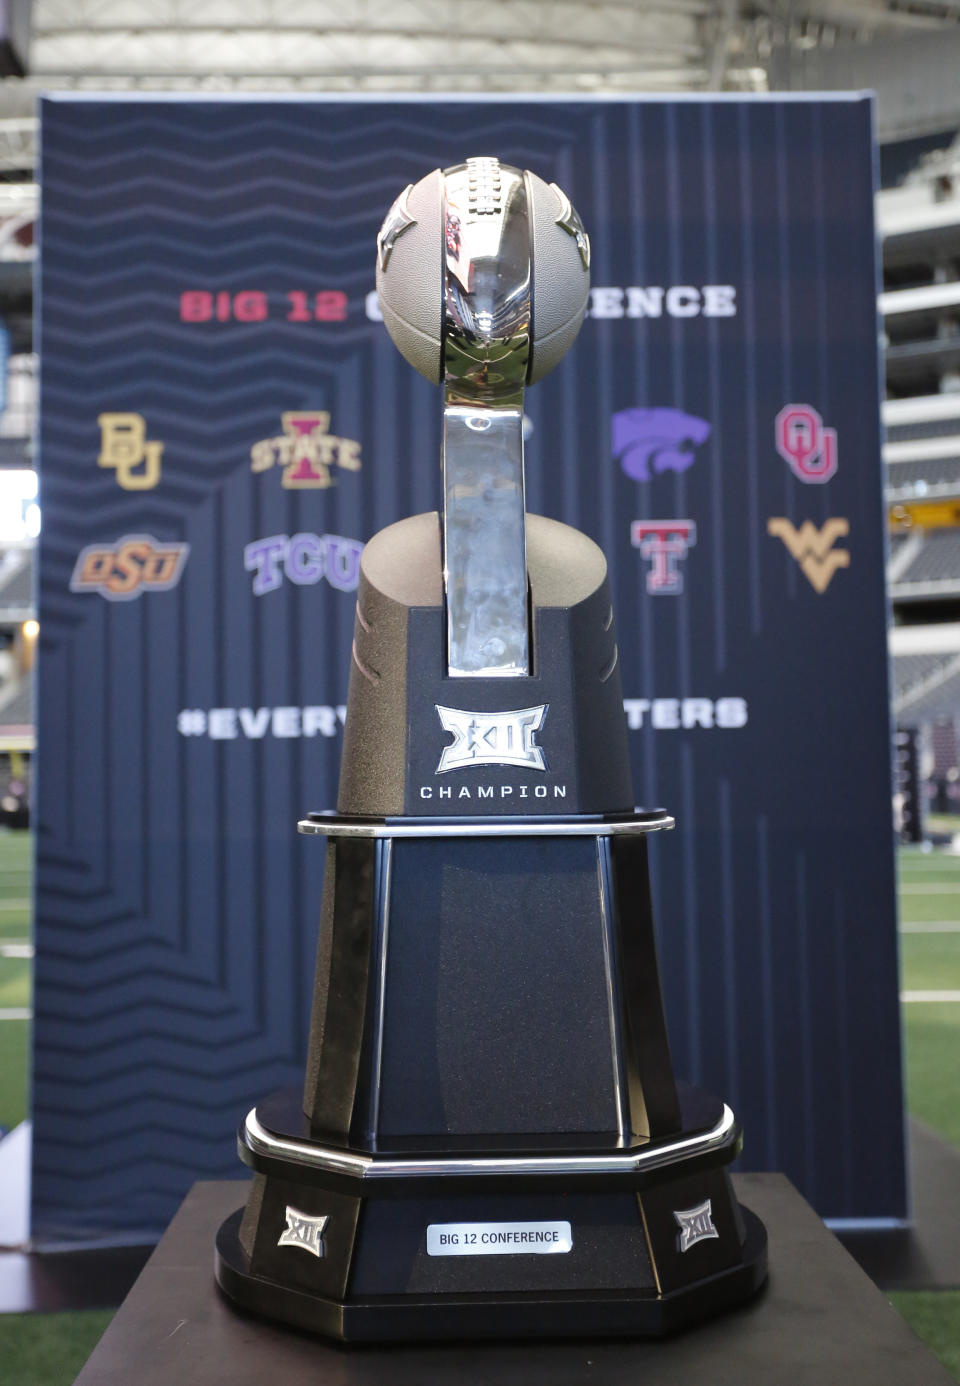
[931, 888]
[909, 996]
[931, 926]
[16, 948]
[25, 1013]
[907, 877]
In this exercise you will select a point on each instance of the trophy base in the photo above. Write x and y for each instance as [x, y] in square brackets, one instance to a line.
[367, 1247]
[523, 1314]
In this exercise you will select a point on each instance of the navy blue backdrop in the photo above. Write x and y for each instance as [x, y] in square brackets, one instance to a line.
[225, 422]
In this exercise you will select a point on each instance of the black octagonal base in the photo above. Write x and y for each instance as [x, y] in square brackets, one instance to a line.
[673, 1291]
[530, 1314]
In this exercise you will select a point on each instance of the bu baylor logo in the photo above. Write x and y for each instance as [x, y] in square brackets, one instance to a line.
[124, 447]
[491, 738]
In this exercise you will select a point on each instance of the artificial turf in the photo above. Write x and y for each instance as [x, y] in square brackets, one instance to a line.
[15, 926]
[14, 982]
[14, 1047]
[932, 1033]
[930, 962]
[49, 1349]
[934, 1315]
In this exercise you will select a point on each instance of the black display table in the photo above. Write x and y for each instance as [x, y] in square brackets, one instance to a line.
[820, 1321]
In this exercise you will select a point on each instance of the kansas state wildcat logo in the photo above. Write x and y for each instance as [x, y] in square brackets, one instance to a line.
[647, 441]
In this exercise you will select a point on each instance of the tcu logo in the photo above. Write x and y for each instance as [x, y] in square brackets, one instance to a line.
[809, 449]
[491, 738]
[696, 1224]
[134, 564]
[124, 446]
[306, 558]
[304, 1231]
[664, 542]
[305, 451]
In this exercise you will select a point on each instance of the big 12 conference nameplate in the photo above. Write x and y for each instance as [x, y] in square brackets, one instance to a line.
[498, 1238]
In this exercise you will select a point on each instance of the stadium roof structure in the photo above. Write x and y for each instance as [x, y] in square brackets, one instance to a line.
[919, 222]
[17, 584]
[429, 45]
[569, 46]
[926, 672]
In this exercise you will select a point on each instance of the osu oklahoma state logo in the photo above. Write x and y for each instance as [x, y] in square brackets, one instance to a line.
[134, 564]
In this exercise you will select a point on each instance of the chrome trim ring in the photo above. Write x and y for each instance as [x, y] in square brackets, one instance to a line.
[371, 1167]
[343, 825]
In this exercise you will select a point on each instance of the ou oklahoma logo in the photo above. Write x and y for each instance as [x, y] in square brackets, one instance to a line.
[808, 448]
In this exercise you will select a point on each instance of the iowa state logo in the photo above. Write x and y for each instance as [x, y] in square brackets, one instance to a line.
[306, 452]
[134, 564]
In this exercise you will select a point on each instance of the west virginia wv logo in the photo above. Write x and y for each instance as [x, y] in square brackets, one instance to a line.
[813, 548]
[646, 441]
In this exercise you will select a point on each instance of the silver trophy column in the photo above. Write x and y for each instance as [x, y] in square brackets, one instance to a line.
[487, 307]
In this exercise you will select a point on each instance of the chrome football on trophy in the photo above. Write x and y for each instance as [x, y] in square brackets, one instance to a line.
[490, 1141]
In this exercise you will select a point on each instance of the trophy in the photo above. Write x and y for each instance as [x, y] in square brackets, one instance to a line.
[490, 1141]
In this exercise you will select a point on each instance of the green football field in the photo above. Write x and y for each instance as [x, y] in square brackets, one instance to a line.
[49, 1349]
[15, 934]
[930, 964]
